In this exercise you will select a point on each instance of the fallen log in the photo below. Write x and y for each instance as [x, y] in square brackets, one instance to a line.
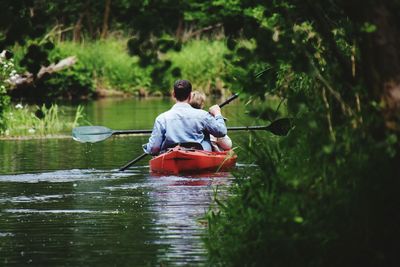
[6, 55]
[28, 79]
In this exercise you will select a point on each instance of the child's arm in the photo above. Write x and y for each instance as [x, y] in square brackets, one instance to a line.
[225, 143]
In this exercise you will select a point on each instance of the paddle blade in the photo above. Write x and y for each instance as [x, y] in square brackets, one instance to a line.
[280, 127]
[91, 134]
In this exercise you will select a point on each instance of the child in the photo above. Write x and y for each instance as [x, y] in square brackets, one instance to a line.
[218, 144]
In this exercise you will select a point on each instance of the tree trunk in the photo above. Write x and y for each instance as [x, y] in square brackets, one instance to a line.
[77, 29]
[179, 30]
[90, 24]
[381, 62]
[77, 33]
[106, 17]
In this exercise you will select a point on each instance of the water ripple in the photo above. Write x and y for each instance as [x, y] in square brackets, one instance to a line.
[147, 218]
[59, 211]
[65, 176]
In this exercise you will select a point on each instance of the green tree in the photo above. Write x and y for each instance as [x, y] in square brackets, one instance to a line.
[323, 196]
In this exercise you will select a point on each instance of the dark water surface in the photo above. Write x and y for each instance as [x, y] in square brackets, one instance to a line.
[64, 203]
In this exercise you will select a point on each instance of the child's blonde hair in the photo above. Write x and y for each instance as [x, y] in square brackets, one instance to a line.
[197, 99]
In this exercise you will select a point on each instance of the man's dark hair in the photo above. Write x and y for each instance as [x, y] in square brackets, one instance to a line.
[182, 89]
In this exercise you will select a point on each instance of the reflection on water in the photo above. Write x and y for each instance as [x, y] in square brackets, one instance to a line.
[63, 203]
[179, 204]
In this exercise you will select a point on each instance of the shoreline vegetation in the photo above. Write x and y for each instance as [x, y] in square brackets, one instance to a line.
[105, 69]
[35, 121]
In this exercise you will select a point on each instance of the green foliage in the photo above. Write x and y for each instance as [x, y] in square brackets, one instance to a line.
[105, 64]
[200, 61]
[36, 56]
[326, 194]
[4, 100]
[75, 82]
[157, 28]
[6, 72]
[72, 83]
[368, 27]
[311, 202]
[108, 63]
[19, 22]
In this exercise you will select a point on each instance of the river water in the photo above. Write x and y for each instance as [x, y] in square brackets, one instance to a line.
[63, 203]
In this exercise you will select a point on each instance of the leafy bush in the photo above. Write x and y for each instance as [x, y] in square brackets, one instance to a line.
[108, 61]
[6, 72]
[75, 82]
[72, 83]
[326, 194]
[311, 202]
[108, 64]
[201, 62]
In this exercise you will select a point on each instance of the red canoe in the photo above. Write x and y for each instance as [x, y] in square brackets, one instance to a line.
[182, 160]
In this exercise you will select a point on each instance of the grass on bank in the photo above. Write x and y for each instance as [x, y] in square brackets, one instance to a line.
[39, 120]
[202, 63]
[109, 62]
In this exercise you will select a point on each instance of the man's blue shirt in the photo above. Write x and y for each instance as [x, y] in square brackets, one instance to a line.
[182, 123]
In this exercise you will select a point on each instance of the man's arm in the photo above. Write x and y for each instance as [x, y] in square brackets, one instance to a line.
[153, 147]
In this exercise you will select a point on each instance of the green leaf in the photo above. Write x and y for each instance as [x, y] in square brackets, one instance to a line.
[298, 219]
[368, 27]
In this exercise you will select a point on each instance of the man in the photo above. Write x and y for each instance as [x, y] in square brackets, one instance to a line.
[183, 123]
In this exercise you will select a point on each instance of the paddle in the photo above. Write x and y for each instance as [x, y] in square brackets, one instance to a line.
[145, 154]
[93, 134]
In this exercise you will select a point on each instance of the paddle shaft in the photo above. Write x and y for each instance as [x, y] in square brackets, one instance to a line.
[282, 125]
[237, 128]
[228, 100]
[131, 132]
[130, 163]
[248, 128]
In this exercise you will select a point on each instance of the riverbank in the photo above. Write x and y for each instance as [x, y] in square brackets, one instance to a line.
[34, 137]
[108, 68]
